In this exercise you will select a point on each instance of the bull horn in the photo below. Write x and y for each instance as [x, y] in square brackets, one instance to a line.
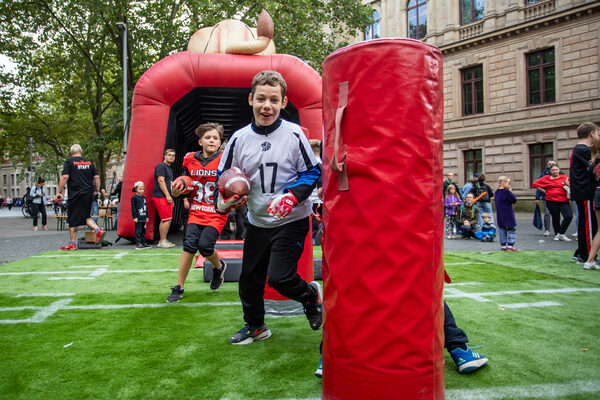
[264, 30]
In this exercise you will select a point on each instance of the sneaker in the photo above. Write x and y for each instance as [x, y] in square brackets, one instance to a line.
[218, 276]
[249, 334]
[139, 247]
[574, 235]
[319, 371]
[503, 248]
[44, 227]
[314, 309]
[170, 244]
[69, 247]
[511, 248]
[100, 236]
[546, 232]
[580, 261]
[467, 360]
[590, 265]
[163, 245]
[447, 237]
[146, 246]
[563, 237]
[557, 237]
[176, 294]
[35, 229]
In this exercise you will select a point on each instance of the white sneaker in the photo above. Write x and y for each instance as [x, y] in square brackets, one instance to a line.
[546, 232]
[557, 236]
[163, 244]
[170, 244]
[563, 237]
[591, 265]
[574, 235]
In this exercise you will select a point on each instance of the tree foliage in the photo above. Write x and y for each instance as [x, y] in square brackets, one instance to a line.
[67, 86]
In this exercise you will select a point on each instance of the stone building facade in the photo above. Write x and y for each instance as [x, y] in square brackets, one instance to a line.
[519, 77]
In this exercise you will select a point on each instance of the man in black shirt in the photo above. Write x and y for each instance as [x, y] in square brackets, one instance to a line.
[82, 179]
[582, 189]
[161, 196]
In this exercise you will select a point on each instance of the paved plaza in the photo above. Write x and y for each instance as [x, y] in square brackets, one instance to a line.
[18, 240]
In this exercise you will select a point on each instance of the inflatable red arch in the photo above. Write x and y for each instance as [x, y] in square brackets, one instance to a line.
[186, 89]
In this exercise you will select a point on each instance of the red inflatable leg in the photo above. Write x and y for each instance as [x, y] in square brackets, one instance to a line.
[383, 334]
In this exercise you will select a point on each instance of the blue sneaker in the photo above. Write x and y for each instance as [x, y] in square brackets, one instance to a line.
[467, 360]
[319, 371]
[249, 334]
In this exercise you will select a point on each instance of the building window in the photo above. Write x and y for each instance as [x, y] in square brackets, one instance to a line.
[470, 11]
[12, 180]
[531, 1]
[417, 19]
[18, 192]
[539, 155]
[540, 77]
[372, 30]
[472, 90]
[473, 163]
[3, 180]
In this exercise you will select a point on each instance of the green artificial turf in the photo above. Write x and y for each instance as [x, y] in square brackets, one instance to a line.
[181, 350]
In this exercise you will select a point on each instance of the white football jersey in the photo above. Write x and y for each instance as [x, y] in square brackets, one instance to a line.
[272, 162]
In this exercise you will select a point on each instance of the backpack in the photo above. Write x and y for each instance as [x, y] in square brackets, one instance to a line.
[482, 188]
[28, 198]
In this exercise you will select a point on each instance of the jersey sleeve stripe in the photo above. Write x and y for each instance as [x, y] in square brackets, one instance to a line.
[229, 156]
[305, 157]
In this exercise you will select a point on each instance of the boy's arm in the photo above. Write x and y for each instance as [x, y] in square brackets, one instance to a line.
[134, 208]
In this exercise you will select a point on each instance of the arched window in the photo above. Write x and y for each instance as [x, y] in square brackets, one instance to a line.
[417, 19]
[470, 11]
[372, 30]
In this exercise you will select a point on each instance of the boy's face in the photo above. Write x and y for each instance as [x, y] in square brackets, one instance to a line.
[210, 142]
[486, 219]
[266, 104]
[139, 189]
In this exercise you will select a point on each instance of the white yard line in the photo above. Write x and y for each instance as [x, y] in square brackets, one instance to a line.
[528, 305]
[116, 271]
[543, 391]
[41, 315]
[115, 255]
[465, 263]
[455, 293]
[46, 295]
[462, 284]
[71, 278]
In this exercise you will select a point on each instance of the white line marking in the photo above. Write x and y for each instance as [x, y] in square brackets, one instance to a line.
[124, 306]
[116, 255]
[99, 271]
[451, 292]
[89, 266]
[545, 391]
[465, 263]
[41, 315]
[462, 284]
[527, 305]
[46, 295]
[455, 293]
[116, 271]
[71, 278]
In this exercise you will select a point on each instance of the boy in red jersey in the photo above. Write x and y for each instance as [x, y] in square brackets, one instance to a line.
[204, 224]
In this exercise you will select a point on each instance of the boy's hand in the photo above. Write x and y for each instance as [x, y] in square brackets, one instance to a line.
[226, 205]
[135, 220]
[282, 205]
[176, 189]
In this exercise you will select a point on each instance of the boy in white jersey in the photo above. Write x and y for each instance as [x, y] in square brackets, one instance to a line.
[278, 160]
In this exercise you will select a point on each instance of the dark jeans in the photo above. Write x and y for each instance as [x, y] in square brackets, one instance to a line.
[140, 232]
[468, 231]
[272, 252]
[36, 209]
[556, 209]
[454, 336]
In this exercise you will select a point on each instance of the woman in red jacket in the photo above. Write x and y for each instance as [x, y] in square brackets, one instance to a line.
[556, 187]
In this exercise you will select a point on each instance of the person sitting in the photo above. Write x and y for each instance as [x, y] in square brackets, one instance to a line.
[466, 217]
[488, 229]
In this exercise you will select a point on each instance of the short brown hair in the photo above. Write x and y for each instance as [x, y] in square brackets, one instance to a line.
[584, 130]
[271, 78]
[209, 126]
[169, 151]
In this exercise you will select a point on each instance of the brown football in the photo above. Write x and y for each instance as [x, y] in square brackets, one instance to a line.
[234, 181]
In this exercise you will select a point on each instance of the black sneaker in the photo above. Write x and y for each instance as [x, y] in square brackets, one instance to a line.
[218, 276]
[176, 294]
[314, 309]
[146, 246]
[249, 334]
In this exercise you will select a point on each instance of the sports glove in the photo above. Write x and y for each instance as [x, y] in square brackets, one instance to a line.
[282, 205]
[226, 205]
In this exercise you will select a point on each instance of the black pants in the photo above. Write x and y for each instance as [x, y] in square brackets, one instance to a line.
[556, 209]
[200, 238]
[140, 232]
[39, 208]
[586, 229]
[272, 252]
[454, 336]
[467, 231]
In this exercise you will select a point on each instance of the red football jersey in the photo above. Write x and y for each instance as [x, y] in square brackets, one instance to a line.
[202, 208]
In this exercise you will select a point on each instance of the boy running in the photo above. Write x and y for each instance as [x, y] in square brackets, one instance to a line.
[204, 224]
[278, 160]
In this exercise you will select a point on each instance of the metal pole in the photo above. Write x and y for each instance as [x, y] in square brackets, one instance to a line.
[123, 27]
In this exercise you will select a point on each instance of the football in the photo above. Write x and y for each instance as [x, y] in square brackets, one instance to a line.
[234, 181]
[185, 184]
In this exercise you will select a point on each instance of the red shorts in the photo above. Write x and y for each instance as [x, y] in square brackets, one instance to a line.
[165, 210]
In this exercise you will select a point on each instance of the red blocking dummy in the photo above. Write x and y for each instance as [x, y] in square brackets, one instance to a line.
[383, 333]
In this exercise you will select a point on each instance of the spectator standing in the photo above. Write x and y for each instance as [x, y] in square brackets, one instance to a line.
[595, 168]
[81, 178]
[38, 204]
[467, 217]
[582, 189]
[555, 187]
[451, 204]
[450, 181]
[484, 204]
[117, 192]
[540, 195]
[139, 212]
[9, 202]
[467, 188]
[161, 197]
[278, 210]
[1, 202]
[507, 223]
